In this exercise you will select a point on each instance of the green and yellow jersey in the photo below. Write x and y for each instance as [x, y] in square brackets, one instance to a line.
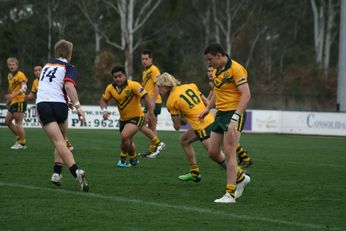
[226, 82]
[128, 100]
[186, 100]
[15, 84]
[34, 86]
[149, 78]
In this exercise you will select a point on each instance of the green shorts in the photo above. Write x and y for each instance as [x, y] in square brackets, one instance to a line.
[222, 120]
[17, 107]
[157, 109]
[139, 121]
[205, 133]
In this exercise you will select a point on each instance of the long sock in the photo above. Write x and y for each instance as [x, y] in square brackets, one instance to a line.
[194, 169]
[73, 170]
[154, 142]
[22, 142]
[17, 138]
[242, 154]
[123, 157]
[133, 156]
[230, 188]
[57, 167]
[240, 175]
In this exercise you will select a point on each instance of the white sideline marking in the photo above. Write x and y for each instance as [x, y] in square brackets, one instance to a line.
[178, 207]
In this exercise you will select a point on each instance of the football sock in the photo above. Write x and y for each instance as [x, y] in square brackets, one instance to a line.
[242, 154]
[155, 140]
[123, 157]
[22, 142]
[73, 170]
[240, 175]
[230, 188]
[57, 167]
[17, 138]
[194, 169]
[133, 156]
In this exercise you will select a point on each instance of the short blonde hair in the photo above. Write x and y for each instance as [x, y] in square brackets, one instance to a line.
[12, 59]
[167, 80]
[63, 49]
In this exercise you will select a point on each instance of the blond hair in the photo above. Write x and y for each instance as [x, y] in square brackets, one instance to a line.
[12, 59]
[63, 49]
[167, 80]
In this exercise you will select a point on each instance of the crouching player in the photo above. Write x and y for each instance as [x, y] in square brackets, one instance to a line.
[186, 100]
[127, 95]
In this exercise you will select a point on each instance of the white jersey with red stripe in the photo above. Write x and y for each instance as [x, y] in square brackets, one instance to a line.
[52, 79]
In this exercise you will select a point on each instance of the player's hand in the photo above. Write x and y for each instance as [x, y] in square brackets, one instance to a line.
[106, 115]
[81, 116]
[203, 115]
[70, 105]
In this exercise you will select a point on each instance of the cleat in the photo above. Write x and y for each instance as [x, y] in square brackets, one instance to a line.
[14, 146]
[121, 164]
[190, 177]
[56, 179]
[147, 153]
[81, 179]
[18, 146]
[241, 186]
[161, 146]
[132, 163]
[227, 198]
[69, 145]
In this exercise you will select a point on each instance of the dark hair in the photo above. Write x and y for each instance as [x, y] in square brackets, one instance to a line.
[38, 65]
[214, 49]
[147, 52]
[117, 69]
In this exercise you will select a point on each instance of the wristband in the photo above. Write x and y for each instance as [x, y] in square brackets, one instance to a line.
[235, 117]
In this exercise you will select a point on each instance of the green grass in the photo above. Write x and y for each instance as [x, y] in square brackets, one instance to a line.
[298, 183]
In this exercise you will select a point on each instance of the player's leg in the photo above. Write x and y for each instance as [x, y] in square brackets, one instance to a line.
[128, 130]
[18, 118]
[13, 128]
[186, 141]
[132, 154]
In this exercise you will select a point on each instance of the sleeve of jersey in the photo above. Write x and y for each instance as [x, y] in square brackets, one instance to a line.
[172, 110]
[23, 78]
[240, 76]
[107, 94]
[71, 75]
[139, 89]
[154, 75]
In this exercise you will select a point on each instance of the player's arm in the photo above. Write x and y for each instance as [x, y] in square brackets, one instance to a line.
[156, 93]
[205, 100]
[22, 90]
[103, 106]
[176, 122]
[72, 93]
[206, 111]
[245, 96]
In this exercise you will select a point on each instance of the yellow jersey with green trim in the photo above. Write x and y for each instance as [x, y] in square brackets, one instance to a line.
[15, 84]
[186, 100]
[128, 99]
[149, 78]
[34, 86]
[226, 82]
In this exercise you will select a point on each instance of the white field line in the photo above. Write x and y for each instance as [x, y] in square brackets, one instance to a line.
[170, 206]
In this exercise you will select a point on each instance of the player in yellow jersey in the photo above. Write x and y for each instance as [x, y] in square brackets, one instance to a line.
[149, 78]
[127, 95]
[186, 100]
[231, 97]
[243, 158]
[16, 102]
[32, 94]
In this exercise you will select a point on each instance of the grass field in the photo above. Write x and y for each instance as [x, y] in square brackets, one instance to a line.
[298, 183]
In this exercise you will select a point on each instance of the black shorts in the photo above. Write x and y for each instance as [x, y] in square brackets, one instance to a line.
[52, 112]
[138, 121]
